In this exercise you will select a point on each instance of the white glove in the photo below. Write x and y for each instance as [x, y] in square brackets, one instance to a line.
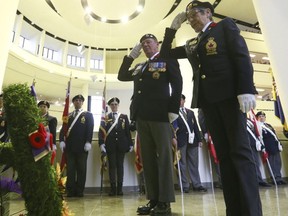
[172, 117]
[280, 147]
[103, 148]
[246, 102]
[62, 146]
[131, 148]
[178, 20]
[206, 137]
[258, 145]
[87, 146]
[135, 52]
[54, 147]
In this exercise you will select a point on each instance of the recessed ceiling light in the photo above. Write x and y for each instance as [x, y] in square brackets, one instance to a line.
[260, 90]
[124, 19]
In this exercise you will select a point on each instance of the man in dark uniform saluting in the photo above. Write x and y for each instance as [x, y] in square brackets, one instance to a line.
[115, 140]
[223, 87]
[78, 143]
[152, 107]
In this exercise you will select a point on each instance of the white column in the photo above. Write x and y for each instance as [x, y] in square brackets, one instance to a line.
[272, 16]
[8, 13]
[41, 43]
[18, 28]
[64, 54]
[85, 93]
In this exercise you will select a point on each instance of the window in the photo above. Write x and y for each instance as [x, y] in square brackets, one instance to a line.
[49, 53]
[96, 110]
[75, 61]
[96, 64]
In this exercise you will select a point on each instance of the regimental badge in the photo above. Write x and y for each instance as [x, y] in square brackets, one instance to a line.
[211, 46]
[156, 75]
[157, 66]
[83, 120]
[192, 44]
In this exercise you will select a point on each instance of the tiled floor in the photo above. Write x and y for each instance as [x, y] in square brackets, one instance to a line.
[191, 204]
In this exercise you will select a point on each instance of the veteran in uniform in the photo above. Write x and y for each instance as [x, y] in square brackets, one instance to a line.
[152, 107]
[223, 87]
[78, 143]
[50, 121]
[115, 140]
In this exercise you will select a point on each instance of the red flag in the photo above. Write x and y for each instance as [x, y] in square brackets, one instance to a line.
[138, 161]
[211, 149]
[65, 123]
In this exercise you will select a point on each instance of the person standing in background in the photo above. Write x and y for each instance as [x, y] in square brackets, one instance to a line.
[256, 147]
[115, 140]
[78, 143]
[223, 88]
[3, 124]
[155, 104]
[50, 121]
[211, 148]
[188, 142]
[272, 146]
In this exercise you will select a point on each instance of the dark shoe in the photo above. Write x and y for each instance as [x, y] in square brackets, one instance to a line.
[200, 189]
[161, 208]
[264, 184]
[79, 195]
[145, 210]
[186, 190]
[283, 182]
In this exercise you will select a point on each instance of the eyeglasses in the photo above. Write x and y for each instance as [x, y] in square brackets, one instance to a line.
[113, 104]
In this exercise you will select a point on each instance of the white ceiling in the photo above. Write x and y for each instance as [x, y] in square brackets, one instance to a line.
[69, 24]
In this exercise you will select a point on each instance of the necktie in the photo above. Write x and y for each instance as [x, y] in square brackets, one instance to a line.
[114, 115]
[76, 113]
[184, 112]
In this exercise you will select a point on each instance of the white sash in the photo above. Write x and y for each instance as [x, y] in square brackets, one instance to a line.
[270, 131]
[74, 121]
[114, 124]
[191, 134]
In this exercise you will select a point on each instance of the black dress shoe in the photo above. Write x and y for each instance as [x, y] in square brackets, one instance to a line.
[200, 189]
[264, 184]
[145, 209]
[162, 208]
[186, 190]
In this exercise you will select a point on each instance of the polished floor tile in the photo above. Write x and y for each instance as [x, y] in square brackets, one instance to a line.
[274, 203]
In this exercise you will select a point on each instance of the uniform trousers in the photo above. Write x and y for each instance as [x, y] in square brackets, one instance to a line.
[276, 164]
[227, 125]
[189, 164]
[255, 154]
[76, 172]
[116, 161]
[156, 152]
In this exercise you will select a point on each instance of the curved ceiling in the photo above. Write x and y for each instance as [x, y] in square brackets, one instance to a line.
[68, 21]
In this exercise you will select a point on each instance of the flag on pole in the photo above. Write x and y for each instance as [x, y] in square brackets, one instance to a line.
[33, 92]
[65, 123]
[102, 129]
[278, 110]
[138, 161]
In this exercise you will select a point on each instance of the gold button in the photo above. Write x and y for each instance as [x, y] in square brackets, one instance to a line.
[140, 80]
[203, 76]
[139, 92]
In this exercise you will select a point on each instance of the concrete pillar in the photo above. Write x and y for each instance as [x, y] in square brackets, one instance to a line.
[8, 11]
[272, 16]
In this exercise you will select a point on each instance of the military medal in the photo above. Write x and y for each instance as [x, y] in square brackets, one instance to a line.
[211, 46]
[156, 75]
[83, 120]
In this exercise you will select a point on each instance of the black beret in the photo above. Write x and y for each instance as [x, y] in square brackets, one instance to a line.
[43, 102]
[198, 4]
[78, 97]
[260, 113]
[113, 99]
[183, 97]
[146, 36]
